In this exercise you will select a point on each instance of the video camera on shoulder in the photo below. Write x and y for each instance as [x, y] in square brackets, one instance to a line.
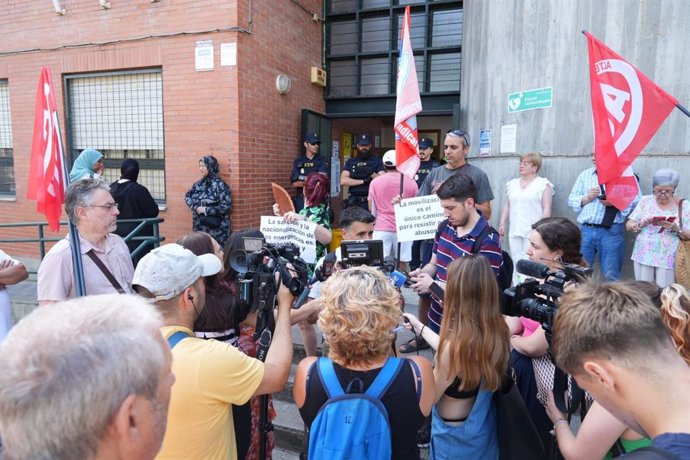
[538, 300]
[361, 252]
[257, 263]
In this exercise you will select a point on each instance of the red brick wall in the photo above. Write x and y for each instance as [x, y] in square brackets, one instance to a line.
[234, 113]
[284, 40]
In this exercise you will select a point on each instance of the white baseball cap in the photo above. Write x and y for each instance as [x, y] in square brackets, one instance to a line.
[389, 158]
[170, 269]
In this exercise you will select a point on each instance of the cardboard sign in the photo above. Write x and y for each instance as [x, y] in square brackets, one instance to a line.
[417, 218]
[283, 198]
[279, 231]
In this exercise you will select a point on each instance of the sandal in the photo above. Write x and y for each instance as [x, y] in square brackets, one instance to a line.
[414, 344]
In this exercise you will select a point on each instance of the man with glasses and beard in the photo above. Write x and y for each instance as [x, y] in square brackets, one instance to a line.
[105, 257]
[359, 172]
[308, 163]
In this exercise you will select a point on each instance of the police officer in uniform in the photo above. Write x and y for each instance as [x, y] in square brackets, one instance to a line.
[359, 172]
[426, 148]
[310, 162]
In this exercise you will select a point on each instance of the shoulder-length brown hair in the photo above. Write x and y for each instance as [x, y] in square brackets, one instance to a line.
[473, 329]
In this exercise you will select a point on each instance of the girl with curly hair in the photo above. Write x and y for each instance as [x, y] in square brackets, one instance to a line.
[360, 311]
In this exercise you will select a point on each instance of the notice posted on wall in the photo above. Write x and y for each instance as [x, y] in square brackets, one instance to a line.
[278, 231]
[418, 218]
[485, 142]
[203, 55]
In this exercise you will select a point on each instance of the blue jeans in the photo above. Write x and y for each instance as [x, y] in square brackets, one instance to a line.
[607, 245]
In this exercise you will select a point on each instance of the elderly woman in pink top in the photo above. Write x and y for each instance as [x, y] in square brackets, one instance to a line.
[528, 199]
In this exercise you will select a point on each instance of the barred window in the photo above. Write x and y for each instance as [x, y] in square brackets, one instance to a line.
[121, 115]
[362, 46]
[7, 185]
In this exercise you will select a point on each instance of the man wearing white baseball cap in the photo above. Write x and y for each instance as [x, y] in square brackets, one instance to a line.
[211, 375]
[381, 193]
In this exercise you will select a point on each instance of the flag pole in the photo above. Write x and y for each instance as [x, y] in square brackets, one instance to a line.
[683, 109]
[75, 243]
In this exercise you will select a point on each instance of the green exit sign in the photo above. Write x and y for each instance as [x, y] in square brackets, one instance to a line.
[531, 99]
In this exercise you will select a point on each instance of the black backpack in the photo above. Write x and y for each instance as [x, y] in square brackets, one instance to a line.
[505, 272]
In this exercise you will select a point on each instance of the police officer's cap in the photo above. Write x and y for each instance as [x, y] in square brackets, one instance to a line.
[425, 143]
[363, 139]
[312, 138]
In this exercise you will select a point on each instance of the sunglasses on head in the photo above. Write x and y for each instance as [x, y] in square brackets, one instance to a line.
[460, 133]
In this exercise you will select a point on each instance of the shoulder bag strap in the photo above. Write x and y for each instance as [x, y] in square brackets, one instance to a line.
[680, 213]
[385, 377]
[99, 263]
[481, 237]
[175, 338]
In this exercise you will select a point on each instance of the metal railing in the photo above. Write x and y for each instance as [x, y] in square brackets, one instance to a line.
[134, 235]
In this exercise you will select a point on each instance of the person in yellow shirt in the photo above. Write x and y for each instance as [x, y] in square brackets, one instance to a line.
[211, 375]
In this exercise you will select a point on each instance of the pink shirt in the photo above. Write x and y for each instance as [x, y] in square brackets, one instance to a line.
[381, 191]
[55, 275]
[529, 326]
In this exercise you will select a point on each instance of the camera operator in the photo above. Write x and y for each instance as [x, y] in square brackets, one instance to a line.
[211, 375]
[356, 224]
[615, 343]
[552, 242]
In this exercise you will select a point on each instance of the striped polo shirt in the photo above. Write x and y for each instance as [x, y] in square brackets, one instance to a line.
[448, 246]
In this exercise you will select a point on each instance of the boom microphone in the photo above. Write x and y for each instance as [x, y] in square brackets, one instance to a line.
[532, 269]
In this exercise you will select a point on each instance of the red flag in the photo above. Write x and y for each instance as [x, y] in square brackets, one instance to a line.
[407, 105]
[628, 109]
[46, 173]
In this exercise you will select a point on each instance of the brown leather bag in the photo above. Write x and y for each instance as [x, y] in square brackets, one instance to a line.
[682, 263]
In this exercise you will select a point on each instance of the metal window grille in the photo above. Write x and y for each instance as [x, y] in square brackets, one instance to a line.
[362, 41]
[121, 115]
[7, 185]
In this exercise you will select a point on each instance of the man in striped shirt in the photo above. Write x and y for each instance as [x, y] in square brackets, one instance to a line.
[454, 238]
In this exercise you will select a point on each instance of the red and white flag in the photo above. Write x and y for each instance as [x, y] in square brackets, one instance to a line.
[46, 174]
[628, 109]
[407, 105]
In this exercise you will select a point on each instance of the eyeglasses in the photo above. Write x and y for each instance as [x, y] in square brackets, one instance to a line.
[663, 192]
[314, 143]
[460, 133]
[107, 207]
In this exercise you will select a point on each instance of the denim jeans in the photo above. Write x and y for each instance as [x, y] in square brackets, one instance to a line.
[606, 245]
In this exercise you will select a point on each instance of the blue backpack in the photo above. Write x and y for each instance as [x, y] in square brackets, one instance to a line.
[352, 425]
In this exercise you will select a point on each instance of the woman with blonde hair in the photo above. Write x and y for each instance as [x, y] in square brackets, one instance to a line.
[528, 199]
[360, 312]
[471, 362]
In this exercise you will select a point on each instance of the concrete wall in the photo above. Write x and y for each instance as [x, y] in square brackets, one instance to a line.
[513, 46]
[232, 112]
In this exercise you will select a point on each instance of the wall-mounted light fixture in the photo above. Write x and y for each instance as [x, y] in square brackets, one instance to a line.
[58, 8]
[105, 4]
[283, 83]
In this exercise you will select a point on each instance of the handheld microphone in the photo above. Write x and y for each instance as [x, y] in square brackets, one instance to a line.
[398, 278]
[264, 343]
[532, 269]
